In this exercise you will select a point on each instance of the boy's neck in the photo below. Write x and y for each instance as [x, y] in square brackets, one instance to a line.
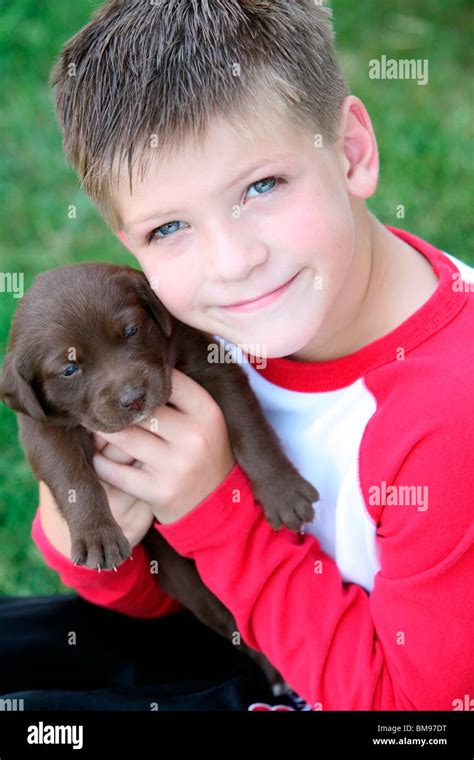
[391, 280]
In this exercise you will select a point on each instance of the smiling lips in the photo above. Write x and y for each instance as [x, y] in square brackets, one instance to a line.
[263, 301]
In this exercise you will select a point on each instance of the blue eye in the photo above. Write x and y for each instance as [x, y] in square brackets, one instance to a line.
[266, 181]
[164, 232]
[169, 229]
[164, 228]
[70, 370]
[130, 331]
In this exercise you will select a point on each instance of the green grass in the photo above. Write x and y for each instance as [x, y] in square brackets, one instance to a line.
[424, 141]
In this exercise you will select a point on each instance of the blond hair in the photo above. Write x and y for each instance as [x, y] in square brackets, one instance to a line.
[144, 75]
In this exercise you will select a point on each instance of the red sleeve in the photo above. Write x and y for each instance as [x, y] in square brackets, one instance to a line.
[131, 590]
[407, 645]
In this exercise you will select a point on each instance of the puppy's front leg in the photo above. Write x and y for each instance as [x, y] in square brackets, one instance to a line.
[286, 497]
[62, 458]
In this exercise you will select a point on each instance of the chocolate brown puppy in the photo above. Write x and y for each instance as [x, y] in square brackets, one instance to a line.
[91, 344]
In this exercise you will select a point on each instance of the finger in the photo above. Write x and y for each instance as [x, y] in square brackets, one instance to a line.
[99, 459]
[117, 499]
[99, 442]
[138, 443]
[188, 396]
[110, 451]
[131, 480]
[115, 454]
[167, 423]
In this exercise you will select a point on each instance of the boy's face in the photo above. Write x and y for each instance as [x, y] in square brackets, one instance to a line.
[220, 232]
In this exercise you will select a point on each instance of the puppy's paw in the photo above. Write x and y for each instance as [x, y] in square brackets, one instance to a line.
[103, 548]
[288, 501]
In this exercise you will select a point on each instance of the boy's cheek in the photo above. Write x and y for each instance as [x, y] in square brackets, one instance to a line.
[172, 287]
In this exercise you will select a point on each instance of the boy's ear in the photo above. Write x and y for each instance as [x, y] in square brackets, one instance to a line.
[122, 236]
[16, 390]
[360, 153]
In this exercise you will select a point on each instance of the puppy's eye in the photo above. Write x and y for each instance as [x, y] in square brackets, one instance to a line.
[71, 370]
[130, 331]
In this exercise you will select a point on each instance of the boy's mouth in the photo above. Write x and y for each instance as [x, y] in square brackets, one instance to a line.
[262, 301]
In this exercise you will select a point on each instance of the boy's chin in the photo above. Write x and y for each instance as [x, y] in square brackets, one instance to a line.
[275, 338]
[274, 348]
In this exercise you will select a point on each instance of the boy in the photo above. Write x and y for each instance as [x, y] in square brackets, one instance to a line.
[223, 147]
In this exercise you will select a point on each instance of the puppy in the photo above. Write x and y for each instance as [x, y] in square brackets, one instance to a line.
[91, 345]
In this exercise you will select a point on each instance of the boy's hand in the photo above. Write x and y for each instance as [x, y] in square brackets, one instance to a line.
[180, 453]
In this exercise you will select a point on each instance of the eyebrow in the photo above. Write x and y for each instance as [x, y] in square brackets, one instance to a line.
[248, 170]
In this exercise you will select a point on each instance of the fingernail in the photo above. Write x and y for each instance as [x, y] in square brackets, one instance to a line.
[99, 462]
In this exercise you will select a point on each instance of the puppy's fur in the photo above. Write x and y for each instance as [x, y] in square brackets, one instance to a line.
[106, 323]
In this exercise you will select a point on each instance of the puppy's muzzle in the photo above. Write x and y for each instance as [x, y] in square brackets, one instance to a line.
[133, 397]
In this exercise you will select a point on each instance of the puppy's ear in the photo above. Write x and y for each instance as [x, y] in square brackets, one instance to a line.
[153, 304]
[16, 390]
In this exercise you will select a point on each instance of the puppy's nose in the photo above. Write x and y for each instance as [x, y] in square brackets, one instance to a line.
[133, 398]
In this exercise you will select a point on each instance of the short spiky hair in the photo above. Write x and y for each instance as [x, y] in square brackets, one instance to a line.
[149, 74]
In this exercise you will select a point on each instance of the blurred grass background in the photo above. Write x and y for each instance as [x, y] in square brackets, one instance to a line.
[425, 141]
